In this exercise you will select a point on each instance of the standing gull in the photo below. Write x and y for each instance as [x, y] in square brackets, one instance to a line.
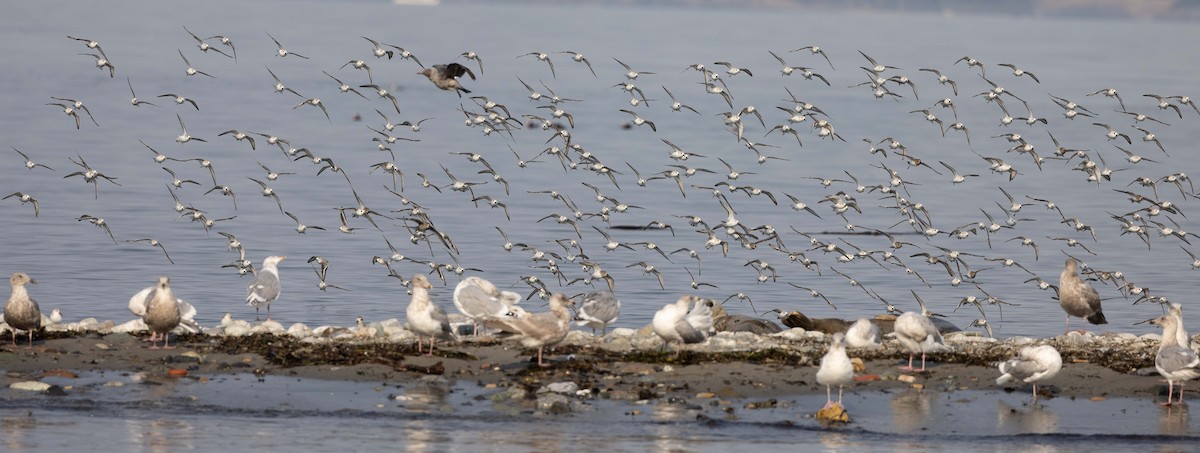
[479, 299]
[264, 289]
[1032, 364]
[538, 330]
[836, 369]
[140, 300]
[1077, 297]
[1174, 361]
[22, 312]
[598, 309]
[918, 334]
[162, 312]
[674, 323]
[425, 318]
[862, 334]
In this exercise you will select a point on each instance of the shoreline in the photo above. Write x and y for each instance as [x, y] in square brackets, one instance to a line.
[624, 366]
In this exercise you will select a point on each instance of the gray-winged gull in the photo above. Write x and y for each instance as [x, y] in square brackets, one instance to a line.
[674, 323]
[1032, 364]
[918, 334]
[424, 318]
[265, 287]
[598, 309]
[479, 300]
[1174, 361]
[22, 312]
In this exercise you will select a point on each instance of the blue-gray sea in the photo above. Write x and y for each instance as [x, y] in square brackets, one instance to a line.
[82, 271]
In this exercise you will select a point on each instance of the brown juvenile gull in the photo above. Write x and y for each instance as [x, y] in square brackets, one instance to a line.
[538, 330]
[836, 369]
[139, 301]
[22, 312]
[162, 312]
[598, 309]
[1174, 361]
[479, 299]
[1077, 297]
[445, 76]
[265, 288]
[424, 318]
[1032, 364]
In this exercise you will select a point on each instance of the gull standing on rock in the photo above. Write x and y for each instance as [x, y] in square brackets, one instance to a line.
[674, 323]
[22, 312]
[1174, 361]
[1032, 364]
[1077, 297]
[918, 334]
[836, 369]
[538, 330]
[162, 312]
[598, 309]
[479, 300]
[265, 287]
[425, 318]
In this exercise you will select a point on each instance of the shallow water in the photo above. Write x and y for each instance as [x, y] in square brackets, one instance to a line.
[427, 414]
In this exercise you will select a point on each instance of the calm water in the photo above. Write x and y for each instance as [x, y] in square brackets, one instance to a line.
[84, 273]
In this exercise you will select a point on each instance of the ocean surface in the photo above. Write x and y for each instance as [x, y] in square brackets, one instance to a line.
[85, 273]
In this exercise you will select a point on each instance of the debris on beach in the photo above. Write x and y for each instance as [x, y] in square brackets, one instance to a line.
[835, 413]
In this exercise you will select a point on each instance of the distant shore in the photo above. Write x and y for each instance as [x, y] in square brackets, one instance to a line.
[624, 366]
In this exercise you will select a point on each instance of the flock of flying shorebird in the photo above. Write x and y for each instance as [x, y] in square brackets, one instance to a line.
[1155, 214]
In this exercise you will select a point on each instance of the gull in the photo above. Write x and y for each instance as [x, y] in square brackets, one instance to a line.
[445, 76]
[557, 112]
[1175, 360]
[674, 323]
[815, 50]
[89, 43]
[930, 117]
[26, 198]
[162, 313]
[103, 62]
[1077, 297]
[279, 86]
[99, 222]
[78, 106]
[835, 369]
[538, 330]
[21, 312]
[405, 54]
[392, 169]
[1018, 72]
[958, 178]
[917, 333]
[180, 99]
[345, 88]
[271, 175]
[29, 163]
[1032, 364]
[1162, 103]
[648, 268]
[360, 65]
[480, 300]
[862, 334]
[284, 52]
[629, 72]
[301, 227]
[943, 79]
[814, 293]
[204, 46]
[542, 56]
[471, 55]
[184, 137]
[191, 71]
[153, 243]
[265, 287]
[598, 309]
[947, 103]
[90, 175]
[1139, 117]
[426, 319]
[798, 205]
[714, 89]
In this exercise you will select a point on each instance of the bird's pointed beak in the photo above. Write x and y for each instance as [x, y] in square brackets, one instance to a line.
[32, 281]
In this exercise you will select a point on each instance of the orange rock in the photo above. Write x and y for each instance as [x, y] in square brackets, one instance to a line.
[177, 372]
[866, 377]
[833, 414]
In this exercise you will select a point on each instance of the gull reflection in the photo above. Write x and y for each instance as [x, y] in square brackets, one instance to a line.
[1028, 419]
[912, 410]
[1174, 420]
